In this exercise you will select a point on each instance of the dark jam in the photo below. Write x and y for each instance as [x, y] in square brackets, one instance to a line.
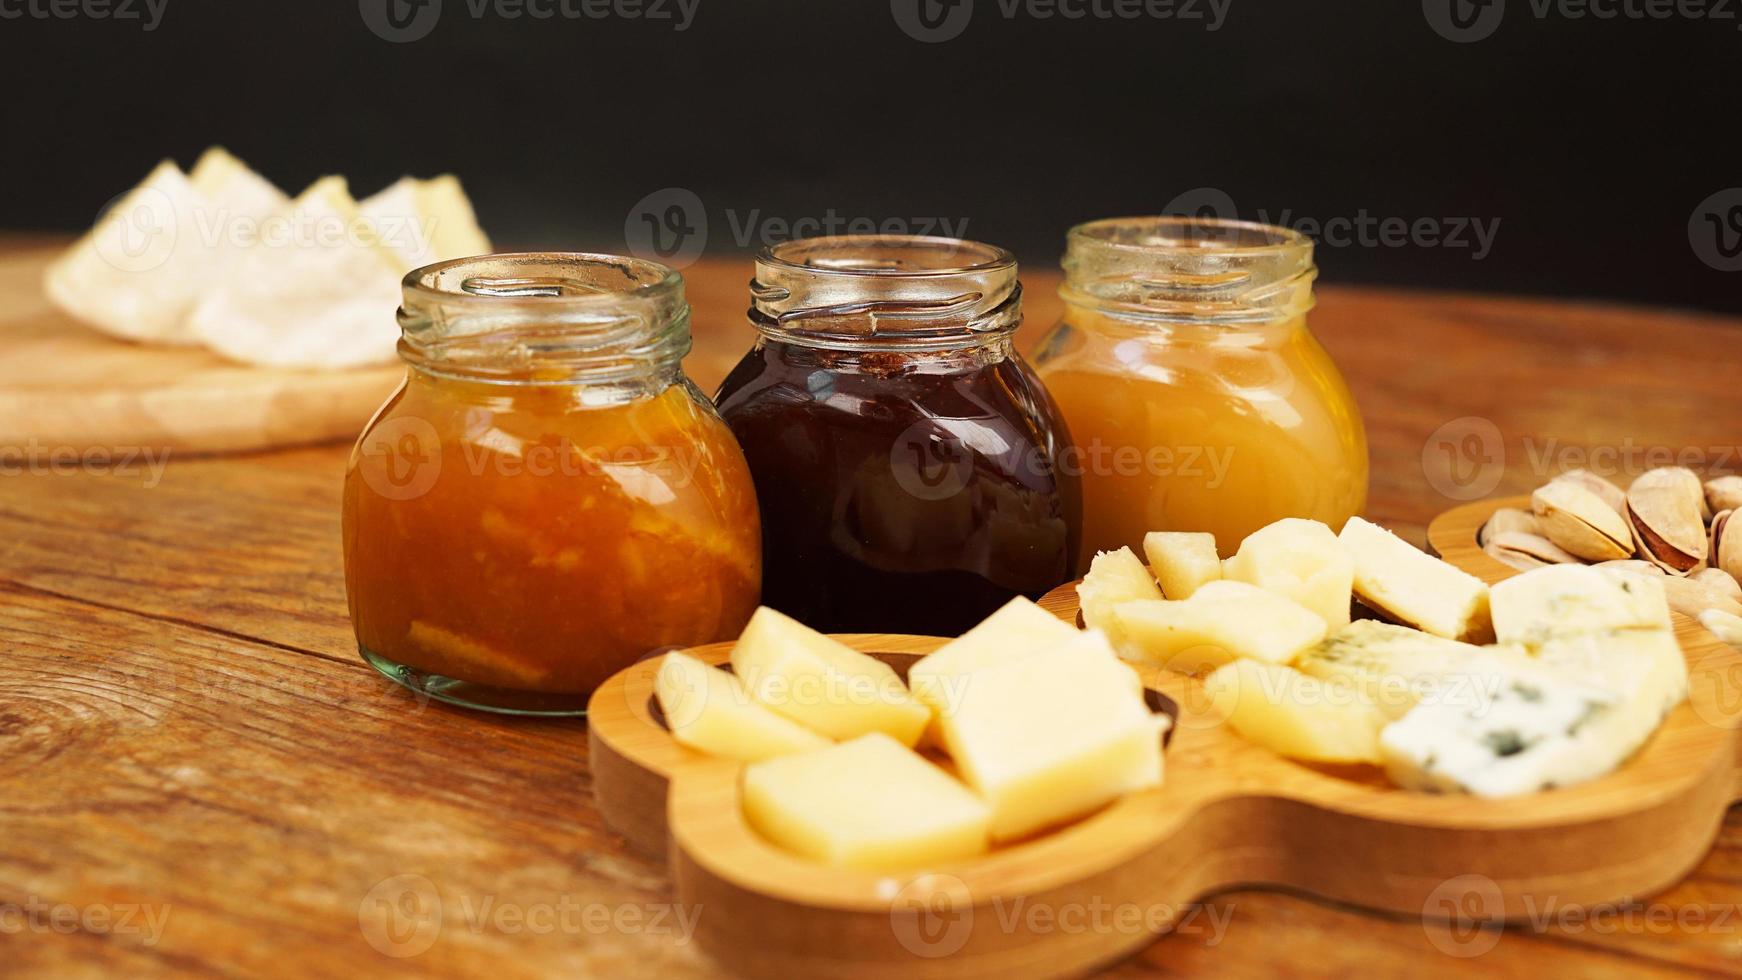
[910, 492]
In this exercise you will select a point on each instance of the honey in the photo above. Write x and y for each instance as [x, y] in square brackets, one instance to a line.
[518, 527]
[1197, 396]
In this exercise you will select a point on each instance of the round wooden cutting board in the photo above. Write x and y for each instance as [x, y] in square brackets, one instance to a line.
[69, 393]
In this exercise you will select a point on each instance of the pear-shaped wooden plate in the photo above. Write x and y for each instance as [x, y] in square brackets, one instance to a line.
[1230, 814]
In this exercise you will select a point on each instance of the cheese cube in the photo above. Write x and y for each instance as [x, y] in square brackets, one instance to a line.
[1644, 668]
[1220, 622]
[823, 684]
[1019, 629]
[1414, 587]
[708, 710]
[1501, 729]
[1295, 715]
[1301, 560]
[1389, 666]
[1051, 737]
[870, 804]
[1115, 577]
[1537, 605]
[1182, 561]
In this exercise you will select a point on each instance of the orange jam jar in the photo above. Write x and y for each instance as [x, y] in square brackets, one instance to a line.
[1198, 399]
[548, 498]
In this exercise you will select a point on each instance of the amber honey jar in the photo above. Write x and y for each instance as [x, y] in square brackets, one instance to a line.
[548, 498]
[907, 459]
[1198, 398]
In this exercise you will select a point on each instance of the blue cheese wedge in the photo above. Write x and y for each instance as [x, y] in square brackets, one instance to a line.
[1532, 608]
[1391, 667]
[1502, 729]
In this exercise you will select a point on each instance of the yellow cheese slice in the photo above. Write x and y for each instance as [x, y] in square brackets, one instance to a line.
[870, 803]
[709, 710]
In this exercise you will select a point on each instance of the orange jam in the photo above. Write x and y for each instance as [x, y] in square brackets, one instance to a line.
[534, 536]
[1197, 397]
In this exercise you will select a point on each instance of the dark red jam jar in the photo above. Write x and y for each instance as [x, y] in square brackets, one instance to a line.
[907, 459]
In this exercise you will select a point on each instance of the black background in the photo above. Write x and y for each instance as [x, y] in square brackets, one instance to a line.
[1592, 141]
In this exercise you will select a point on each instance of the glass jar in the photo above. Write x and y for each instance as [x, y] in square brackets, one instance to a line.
[1198, 398]
[547, 498]
[906, 457]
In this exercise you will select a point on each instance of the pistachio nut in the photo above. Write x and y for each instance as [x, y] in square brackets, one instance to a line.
[1579, 521]
[1611, 494]
[1691, 598]
[1663, 513]
[1727, 544]
[1527, 551]
[1508, 519]
[1724, 493]
[1718, 581]
[1725, 626]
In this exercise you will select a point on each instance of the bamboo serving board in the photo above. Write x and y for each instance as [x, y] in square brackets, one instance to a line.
[70, 392]
[1230, 814]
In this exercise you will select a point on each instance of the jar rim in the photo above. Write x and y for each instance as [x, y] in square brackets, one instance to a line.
[1221, 238]
[650, 279]
[990, 258]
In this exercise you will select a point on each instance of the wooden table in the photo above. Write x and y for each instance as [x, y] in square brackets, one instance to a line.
[197, 774]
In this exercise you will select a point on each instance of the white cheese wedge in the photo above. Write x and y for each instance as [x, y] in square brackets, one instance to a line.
[240, 198]
[1644, 669]
[1221, 621]
[318, 291]
[1182, 561]
[424, 221]
[1390, 666]
[870, 804]
[1295, 715]
[1414, 587]
[1302, 560]
[822, 683]
[1018, 630]
[1053, 737]
[136, 273]
[1115, 577]
[1502, 729]
[1534, 606]
[709, 710]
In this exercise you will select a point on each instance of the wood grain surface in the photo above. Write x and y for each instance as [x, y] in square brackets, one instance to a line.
[185, 729]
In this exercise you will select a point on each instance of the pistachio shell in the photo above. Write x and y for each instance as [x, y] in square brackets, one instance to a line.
[1611, 494]
[1718, 581]
[1725, 626]
[1633, 565]
[1579, 521]
[1663, 512]
[1526, 551]
[1508, 519]
[1724, 493]
[1691, 598]
[1727, 544]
